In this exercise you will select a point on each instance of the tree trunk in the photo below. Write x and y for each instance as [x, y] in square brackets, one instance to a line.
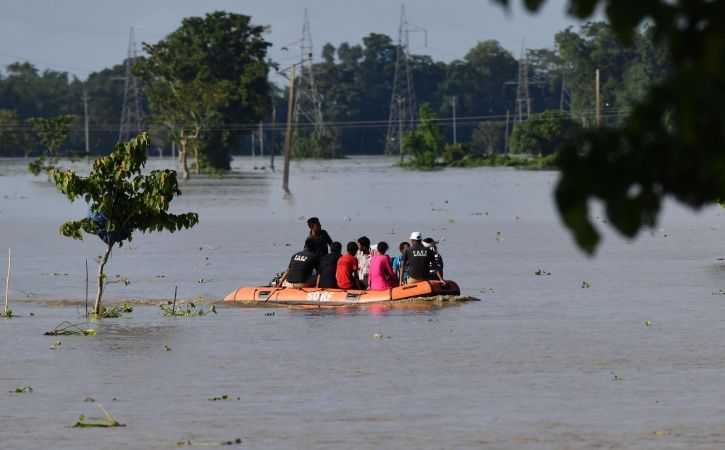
[101, 266]
[182, 157]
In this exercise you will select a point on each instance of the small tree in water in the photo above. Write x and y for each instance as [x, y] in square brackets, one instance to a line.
[121, 200]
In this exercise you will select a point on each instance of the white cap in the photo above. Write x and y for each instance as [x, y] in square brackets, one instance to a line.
[415, 236]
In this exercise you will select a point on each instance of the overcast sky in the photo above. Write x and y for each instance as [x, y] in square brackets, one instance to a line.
[83, 36]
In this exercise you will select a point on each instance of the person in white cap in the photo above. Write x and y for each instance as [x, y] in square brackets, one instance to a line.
[419, 259]
[433, 245]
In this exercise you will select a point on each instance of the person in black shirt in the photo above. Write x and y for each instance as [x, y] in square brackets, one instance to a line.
[322, 239]
[299, 273]
[326, 278]
[419, 259]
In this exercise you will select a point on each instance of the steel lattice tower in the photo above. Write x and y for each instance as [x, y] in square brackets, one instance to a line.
[523, 100]
[307, 103]
[403, 107]
[131, 110]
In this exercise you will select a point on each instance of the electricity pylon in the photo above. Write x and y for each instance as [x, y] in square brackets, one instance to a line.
[307, 115]
[131, 110]
[523, 101]
[403, 108]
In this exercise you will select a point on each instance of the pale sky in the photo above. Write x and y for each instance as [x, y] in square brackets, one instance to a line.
[83, 36]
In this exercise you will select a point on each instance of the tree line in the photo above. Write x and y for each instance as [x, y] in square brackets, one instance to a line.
[205, 86]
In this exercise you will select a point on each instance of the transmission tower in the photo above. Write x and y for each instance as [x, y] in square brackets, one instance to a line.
[523, 101]
[307, 104]
[131, 110]
[403, 108]
[565, 96]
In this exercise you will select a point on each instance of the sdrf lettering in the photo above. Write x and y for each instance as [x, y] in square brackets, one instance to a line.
[300, 258]
[319, 296]
[420, 253]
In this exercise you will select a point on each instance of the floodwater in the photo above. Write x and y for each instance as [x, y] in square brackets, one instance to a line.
[540, 362]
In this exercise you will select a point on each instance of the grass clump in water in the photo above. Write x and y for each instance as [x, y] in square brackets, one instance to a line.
[190, 443]
[186, 309]
[98, 422]
[22, 390]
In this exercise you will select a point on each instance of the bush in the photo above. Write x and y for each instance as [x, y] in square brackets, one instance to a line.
[544, 133]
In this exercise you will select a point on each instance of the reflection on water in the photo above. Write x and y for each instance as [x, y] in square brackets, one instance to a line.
[530, 366]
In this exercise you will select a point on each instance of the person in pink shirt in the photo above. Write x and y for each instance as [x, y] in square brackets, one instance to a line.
[381, 275]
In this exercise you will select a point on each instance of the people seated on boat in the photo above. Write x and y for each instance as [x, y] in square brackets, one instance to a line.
[433, 245]
[322, 239]
[381, 276]
[419, 259]
[398, 260]
[363, 261]
[302, 266]
[347, 268]
[326, 278]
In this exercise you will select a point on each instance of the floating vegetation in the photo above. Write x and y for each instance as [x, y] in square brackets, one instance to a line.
[718, 292]
[647, 323]
[32, 314]
[269, 314]
[378, 336]
[185, 309]
[190, 443]
[207, 247]
[617, 377]
[223, 397]
[112, 313]
[541, 272]
[499, 238]
[8, 313]
[70, 329]
[586, 285]
[55, 274]
[167, 348]
[99, 422]
[487, 291]
[22, 390]
[55, 346]
[205, 280]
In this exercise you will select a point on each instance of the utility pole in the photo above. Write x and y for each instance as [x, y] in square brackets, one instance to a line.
[274, 134]
[261, 139]
[506, 136]
[406, 113]
[598, 106]
[288, 135]
[85, 120]
[131, 110]
[251, 135]
[455, 140]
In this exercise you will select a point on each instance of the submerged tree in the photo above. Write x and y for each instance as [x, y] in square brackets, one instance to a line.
[121, 200]
[224, 53]
[51, 134]
[426, 142]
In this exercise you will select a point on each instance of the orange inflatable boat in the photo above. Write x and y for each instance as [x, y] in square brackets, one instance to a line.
[341, 297]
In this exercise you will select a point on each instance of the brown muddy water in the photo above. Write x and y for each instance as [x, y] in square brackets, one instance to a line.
[540, 362]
